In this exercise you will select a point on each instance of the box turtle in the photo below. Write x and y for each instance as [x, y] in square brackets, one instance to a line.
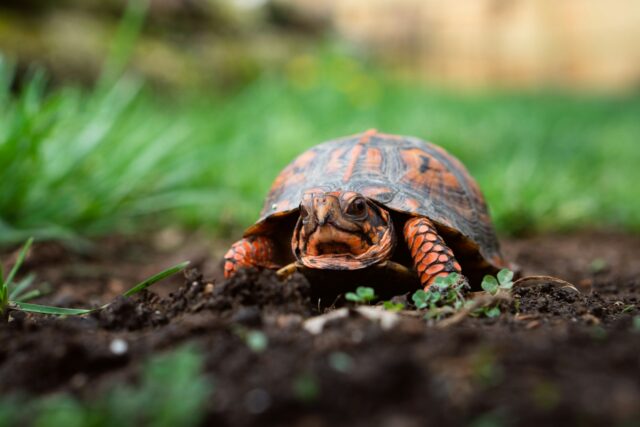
[373, 200]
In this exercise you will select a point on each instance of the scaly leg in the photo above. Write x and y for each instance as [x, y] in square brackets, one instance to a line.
[257, 251]
[431, 256]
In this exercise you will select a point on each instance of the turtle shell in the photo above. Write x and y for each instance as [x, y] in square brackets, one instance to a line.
[402, 173]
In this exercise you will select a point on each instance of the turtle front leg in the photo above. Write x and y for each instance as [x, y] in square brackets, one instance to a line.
[431, 256]
[256, 251]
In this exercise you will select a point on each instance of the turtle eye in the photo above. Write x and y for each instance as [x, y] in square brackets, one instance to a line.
[357, 208]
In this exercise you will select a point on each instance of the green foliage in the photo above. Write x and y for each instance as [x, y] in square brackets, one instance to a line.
[491, 312]
[362, 295]
[14, 296]
[256, 340]
[598, 265]
[491, 419]
[502, 281]
[82, 164]
[393, 306]
[628, 308]
[172, 391]
[490, 284]
[306, 387]
[10, 291]
[10, 408]
[444, 296]
[118, 158]
[505, 277]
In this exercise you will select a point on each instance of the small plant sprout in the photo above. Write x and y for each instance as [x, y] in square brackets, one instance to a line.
[393, 306]
[628, 308]
[306, 387]
[20, 291]
[502, 281]
[13, 296]
[362, 295]
[256, 341]
[445, 296]
[492, 312]
[9, 291]
[598, 265]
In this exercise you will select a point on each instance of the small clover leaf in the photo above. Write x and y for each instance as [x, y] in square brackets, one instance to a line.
[452, 279]
[435, 296]
[505, 277]
[492, 312]
[393, 306]
[420, 299]
[366, 293]
[362, 294]
[351, 296]
[441, 282]
[490, 284]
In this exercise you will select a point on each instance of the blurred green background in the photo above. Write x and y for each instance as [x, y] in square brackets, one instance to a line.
[127, 117]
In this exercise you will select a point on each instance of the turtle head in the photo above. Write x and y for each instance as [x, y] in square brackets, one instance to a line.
[341, 231]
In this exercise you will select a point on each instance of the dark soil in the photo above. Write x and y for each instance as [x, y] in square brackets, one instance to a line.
[554, 356]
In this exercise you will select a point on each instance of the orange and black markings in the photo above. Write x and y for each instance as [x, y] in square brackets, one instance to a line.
[431, 256]
[255, 251]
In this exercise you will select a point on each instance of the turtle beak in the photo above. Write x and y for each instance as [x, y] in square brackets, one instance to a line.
[325, 206]
[323, 213]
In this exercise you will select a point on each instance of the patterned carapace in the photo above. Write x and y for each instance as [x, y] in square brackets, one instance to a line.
[440, 207]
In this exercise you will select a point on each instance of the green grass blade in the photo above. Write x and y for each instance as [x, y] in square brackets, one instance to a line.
[21, 287]
[46, 309]
[60, 311]
[4, 290]
[156, 278]
[29, 295]
[20, 260]
[124, 41]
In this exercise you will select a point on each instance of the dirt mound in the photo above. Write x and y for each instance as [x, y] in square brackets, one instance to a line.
[554, 355]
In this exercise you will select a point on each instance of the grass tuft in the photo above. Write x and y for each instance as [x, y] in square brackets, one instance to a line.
[13, 296]
[77, 163]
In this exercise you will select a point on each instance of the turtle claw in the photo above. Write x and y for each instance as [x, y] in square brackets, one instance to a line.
[398, 268]
[288, 270]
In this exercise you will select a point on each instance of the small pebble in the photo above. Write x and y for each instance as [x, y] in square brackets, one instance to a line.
[118, 346]
[79, 380]
[248, 316]
[208, 288]
[357, 336]
[257, 401]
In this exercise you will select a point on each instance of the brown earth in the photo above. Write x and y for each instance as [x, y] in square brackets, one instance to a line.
[554, 356]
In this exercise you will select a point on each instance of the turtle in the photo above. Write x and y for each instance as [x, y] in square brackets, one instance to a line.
[373, 200]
